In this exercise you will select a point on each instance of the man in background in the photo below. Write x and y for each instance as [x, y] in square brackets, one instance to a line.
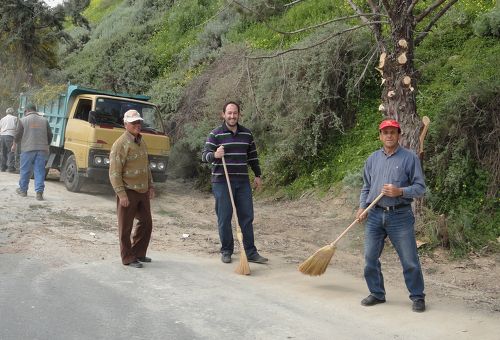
[8, 126]
[34, 135]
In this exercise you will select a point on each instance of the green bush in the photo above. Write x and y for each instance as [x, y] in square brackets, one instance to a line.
[488, 24]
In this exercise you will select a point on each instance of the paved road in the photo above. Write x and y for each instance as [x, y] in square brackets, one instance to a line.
[184, 297]
[58, 282]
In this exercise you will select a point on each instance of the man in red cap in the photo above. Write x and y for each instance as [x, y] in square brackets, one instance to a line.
[397, 173]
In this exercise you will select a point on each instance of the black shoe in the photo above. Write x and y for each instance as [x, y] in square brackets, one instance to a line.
[226, 258]
[418, 305]
[371, 300]
[258, 259]
[39, 196]
[144, 259]
[21, 193]
[135, 264]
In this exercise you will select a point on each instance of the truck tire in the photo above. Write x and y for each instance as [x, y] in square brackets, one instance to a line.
[72, 178]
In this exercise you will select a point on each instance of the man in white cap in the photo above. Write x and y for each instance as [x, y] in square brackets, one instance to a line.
[132, 181]
[8, 126]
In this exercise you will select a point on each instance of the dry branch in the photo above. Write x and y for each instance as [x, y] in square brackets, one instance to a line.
[313, 45]
[426, 31]
[428, 10]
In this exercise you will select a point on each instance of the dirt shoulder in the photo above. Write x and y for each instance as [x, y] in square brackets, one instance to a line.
[84, 224]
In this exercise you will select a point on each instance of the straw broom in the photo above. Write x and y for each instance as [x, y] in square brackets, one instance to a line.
[317, 263]
[243, 268]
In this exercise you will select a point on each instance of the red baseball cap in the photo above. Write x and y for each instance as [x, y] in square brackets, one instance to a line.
[389, 123]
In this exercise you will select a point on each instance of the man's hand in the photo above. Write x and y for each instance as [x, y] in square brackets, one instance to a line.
[257, 183]
[392, 191]
[124, 202]
[151, 193]
[13, 147]
[219, 153]
[361, 217]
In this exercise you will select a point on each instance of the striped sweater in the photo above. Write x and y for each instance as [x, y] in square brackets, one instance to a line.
[240, 152]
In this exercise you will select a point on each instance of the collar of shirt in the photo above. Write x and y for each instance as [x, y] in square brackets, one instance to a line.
[395, 151]
[136, 139]
[226, 129]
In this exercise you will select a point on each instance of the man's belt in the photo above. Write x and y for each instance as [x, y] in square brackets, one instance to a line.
[394, 207]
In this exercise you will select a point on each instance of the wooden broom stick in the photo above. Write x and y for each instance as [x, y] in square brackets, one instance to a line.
[243, 268]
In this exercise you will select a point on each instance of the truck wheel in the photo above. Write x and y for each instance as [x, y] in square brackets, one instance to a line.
[72, 178]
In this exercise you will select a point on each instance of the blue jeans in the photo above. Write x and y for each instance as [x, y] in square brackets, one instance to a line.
[32, 162]
[242, 193]
[398, 225]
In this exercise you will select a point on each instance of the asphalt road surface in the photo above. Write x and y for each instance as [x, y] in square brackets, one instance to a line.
[182, 297]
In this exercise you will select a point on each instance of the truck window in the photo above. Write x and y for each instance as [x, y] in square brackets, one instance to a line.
[111, 111]
[82, 109]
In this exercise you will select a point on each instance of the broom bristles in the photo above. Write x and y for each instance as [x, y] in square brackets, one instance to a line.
[317, 263]
[243, 268]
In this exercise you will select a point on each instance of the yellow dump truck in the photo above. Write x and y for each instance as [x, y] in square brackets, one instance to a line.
[86, 122]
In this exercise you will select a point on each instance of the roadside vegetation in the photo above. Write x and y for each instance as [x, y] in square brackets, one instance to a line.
[315, 111]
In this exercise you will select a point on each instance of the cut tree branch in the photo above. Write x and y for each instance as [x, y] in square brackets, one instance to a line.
[313, 45]
[428, 10]
[426, 31]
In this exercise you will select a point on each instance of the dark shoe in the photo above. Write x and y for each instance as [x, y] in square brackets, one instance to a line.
[135, 264]
[39, 196]
[226, 258]
[144, 259]
[371, 300]
[418, 306]
[21, 193]
[258, 259]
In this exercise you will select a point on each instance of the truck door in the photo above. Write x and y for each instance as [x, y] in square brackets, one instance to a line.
[77, 131]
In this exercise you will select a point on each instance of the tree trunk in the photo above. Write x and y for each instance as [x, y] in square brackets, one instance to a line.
[398, 72]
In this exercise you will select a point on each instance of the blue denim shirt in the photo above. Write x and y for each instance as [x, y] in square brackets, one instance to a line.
[402, 169]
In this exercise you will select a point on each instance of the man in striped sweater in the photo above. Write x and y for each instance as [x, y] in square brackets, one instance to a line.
[236, 144]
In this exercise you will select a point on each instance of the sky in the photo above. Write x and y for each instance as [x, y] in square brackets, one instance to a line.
[53, 3]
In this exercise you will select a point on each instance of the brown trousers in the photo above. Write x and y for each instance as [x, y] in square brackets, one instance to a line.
[139, 208]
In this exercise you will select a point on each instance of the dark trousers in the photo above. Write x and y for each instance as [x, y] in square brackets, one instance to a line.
[7, 155]
[242, 193]
[134, 245]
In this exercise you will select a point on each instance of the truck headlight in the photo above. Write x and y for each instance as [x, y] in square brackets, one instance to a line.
[161, 166]
[152, 165]
[106, 161]
[98, 160]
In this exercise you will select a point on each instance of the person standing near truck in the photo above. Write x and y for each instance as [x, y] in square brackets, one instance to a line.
[8, 126]
[132, 181]
[34, 135]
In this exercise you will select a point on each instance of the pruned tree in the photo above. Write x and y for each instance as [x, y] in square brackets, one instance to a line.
[398, 26]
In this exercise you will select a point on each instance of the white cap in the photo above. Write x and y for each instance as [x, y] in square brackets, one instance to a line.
[131, 116]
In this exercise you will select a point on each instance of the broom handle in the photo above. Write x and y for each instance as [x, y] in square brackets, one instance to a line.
[357, 219]
[238, 229]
